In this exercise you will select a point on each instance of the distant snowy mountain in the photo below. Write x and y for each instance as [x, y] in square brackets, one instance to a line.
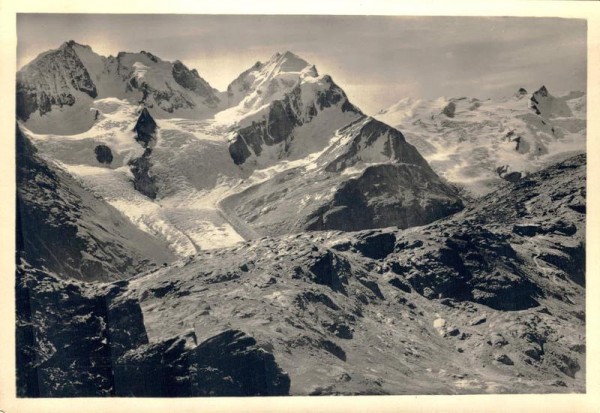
[475, 143]
[198, 183]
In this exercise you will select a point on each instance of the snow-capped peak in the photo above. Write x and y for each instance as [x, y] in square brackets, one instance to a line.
[267, 82]
[287, 62]
[61, 84]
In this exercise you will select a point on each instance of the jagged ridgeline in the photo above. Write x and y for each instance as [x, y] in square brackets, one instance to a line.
[272, 239]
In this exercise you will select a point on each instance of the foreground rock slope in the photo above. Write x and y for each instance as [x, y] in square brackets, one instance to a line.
[490, 300]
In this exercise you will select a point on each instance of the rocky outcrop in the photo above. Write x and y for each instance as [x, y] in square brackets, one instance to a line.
[505, 173]
[376, 245]
[145, 129]
[479, 259]
[69, 335]
[449, 110]
[228, 364]
[143, 179]
[78, 340]
[103, 154]
[466, 264]
[520, 93]
[537, 97]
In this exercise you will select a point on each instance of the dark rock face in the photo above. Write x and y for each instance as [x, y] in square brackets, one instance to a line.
[521, 92]
[145, 128]
[376, 246]
[77, 340]
[143, 181]
[472, 264]
[39, 90]
[537, 97]
[103, 154]
[449, 109]
[191, 80]
[513, 176]
[386, 195]
[283, 117]
[67, 338]
[330, 269]
[229, 364]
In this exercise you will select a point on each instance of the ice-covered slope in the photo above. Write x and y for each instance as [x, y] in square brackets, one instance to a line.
[475, 143]
[56, 90]
[67, 229]
[185, 162]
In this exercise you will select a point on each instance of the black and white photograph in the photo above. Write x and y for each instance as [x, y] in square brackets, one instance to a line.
[299, 205]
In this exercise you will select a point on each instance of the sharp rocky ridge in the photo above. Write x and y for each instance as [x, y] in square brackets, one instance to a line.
[271, 239]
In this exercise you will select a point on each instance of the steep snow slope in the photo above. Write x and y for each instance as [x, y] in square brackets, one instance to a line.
[475, 143]
[65, 228]
[56, 90]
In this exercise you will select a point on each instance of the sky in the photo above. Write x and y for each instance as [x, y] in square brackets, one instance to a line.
[377, 60]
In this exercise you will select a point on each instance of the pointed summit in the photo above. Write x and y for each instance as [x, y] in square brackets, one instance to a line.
[73, 43]
[289, 62]
[520, 93]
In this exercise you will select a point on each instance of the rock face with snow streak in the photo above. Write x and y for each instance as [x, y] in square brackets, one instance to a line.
[368, 177]
[53, 79]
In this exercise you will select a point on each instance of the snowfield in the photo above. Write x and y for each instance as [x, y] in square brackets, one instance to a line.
[468, 144]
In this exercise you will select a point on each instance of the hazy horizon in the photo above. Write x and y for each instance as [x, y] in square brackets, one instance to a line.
[377, 60]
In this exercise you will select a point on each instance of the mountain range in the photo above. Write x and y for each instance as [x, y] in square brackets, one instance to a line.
[175, 240]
